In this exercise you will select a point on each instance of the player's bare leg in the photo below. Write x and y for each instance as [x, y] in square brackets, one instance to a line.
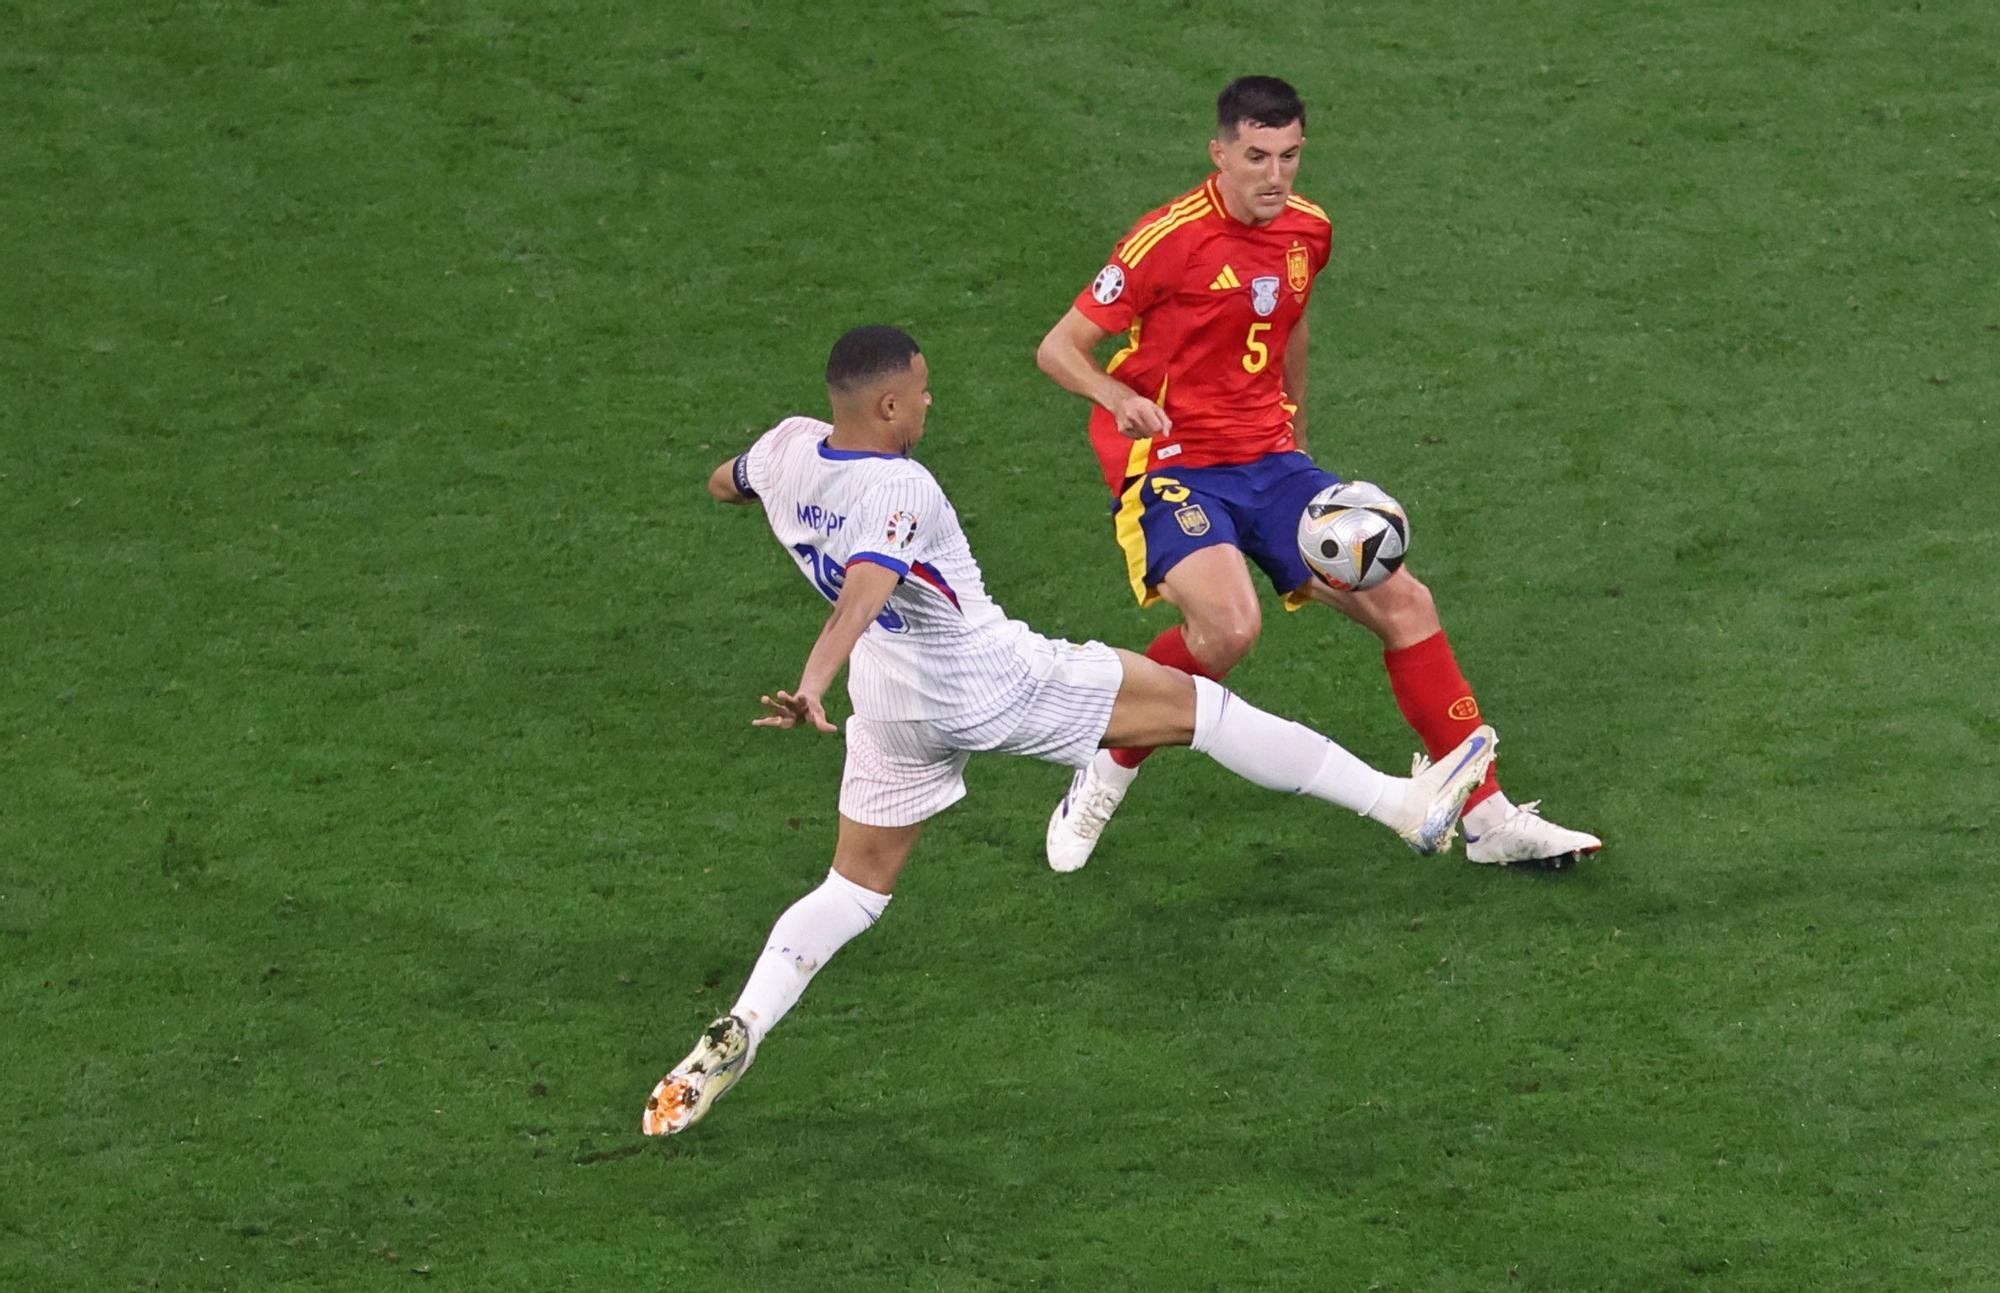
[1221, 622]
[1161, 706]
[1439, 704]
[866, 863]
[873, 856]
[1213, 591]
[1400, 610]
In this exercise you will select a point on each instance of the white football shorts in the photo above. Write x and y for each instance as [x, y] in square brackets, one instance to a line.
[900, 773]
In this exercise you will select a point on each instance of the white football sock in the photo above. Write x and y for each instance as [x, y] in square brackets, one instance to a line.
[805, 938]
[1279, 754]
[1486, 814]
[1112, 772]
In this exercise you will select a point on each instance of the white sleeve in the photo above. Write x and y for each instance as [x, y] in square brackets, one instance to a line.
[897, 522]
[754, 465]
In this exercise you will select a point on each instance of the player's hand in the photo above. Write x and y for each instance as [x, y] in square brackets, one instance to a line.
[1139, 417]
[789, 711]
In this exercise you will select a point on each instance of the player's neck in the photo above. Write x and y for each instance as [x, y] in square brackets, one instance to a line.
[1229, 207]
[848, 438]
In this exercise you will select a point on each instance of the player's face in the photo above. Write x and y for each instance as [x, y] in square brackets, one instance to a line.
[910, 403]
[1257, 168]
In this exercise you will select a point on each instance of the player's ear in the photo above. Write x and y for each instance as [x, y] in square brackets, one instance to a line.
[1215, 152]
[885, 405]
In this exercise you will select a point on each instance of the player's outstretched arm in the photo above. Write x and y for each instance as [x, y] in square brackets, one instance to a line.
[862, 598]
[722, 485]
[1068, 355]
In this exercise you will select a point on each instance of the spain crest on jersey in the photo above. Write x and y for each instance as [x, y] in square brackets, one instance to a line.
[1298, 268]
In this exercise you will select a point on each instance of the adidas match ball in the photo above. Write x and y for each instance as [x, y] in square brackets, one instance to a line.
[1354, 535]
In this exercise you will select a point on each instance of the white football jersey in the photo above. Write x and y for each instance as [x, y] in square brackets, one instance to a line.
[941, 648]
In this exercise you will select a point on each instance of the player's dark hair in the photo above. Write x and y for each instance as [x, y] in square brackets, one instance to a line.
[868, 352]
[1259, 100]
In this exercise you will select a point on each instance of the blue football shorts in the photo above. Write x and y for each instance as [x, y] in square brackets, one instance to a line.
[1166, 515]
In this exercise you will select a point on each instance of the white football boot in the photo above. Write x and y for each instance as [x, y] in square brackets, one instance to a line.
[1438, 790]
[1094, 794]
[1523, 837]
[721, 1056]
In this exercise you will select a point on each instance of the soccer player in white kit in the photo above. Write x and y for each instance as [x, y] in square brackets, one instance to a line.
[939, 671]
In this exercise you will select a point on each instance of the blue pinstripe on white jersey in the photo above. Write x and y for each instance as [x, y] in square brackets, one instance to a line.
[942, 649]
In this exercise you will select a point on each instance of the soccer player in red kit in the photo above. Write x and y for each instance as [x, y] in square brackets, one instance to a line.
[1200, 431]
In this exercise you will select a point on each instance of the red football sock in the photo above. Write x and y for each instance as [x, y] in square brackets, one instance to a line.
[1437, 700]
[1170, 648]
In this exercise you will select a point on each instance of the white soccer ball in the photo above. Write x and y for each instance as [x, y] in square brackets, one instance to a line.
[1354, 535]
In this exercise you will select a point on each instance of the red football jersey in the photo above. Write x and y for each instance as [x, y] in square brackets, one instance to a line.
[1209, 304]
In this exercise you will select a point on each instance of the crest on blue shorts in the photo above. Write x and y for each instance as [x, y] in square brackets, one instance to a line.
[1264, 294]
[1194, 521]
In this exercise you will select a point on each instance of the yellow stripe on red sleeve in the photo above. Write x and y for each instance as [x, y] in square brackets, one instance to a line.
[1175, 209]
[1299, 204]
[1136, 251]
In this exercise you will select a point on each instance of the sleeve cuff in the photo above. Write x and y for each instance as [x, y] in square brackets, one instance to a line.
[742, 474]
[1113, 318]
[902, 568]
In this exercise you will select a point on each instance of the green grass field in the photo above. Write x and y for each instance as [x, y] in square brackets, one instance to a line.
[379, 814]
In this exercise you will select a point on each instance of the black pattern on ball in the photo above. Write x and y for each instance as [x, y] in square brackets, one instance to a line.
[1353, 536]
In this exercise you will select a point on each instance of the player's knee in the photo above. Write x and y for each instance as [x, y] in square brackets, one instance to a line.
[1416, 609]
[1220, 641]
[1400, 612]
[1409, 596]
[1175, 714]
